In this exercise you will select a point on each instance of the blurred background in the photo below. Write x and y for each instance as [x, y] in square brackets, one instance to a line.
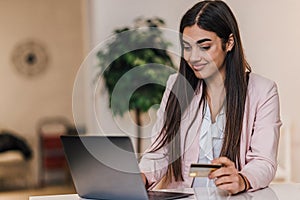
[43, 45]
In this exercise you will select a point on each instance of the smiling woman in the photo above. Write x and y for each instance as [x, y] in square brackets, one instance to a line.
[205, 52]
[214, 110]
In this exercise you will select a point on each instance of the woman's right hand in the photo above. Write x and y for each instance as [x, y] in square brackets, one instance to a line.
[228, 178]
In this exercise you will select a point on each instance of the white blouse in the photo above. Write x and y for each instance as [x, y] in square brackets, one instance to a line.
[211, 139]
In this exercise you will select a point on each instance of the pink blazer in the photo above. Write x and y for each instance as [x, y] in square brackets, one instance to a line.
[259, 139]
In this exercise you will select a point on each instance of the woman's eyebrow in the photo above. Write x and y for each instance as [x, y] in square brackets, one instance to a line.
[198, 42]
[203, 40]
[185, 42]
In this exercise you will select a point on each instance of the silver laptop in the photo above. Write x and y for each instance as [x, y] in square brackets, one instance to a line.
[105, 167]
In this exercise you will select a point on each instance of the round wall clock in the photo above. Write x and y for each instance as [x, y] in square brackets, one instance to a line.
[30, 58]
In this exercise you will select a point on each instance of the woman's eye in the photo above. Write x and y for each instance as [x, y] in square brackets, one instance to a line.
[205, 48]
[187, 48]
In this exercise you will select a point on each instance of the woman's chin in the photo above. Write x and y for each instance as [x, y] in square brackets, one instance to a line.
[200, 75]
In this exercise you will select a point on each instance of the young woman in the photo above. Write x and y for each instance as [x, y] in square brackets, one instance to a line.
[214, 111]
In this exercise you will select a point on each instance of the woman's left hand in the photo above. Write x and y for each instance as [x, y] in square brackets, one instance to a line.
[227, 177]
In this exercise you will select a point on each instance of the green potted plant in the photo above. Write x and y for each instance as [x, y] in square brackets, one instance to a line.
[136, 48]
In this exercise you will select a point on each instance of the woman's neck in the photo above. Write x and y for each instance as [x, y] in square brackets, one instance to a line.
[216, 94]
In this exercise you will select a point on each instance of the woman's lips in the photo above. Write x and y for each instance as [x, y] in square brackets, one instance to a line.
[199, 67]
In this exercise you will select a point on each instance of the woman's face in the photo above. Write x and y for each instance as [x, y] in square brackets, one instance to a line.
[203, 52]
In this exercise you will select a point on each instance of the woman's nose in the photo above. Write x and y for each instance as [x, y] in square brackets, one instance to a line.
[196, 55]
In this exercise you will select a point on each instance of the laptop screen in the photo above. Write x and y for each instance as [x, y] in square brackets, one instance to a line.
[105, 167]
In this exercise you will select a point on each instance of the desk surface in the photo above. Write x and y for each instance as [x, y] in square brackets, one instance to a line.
[274, 192]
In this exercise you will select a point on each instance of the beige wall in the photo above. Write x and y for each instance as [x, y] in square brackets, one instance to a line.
[24, 101]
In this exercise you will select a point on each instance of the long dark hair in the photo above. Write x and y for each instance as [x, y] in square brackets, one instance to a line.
[214, 16]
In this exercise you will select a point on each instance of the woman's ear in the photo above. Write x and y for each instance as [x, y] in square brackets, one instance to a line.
[230, 43]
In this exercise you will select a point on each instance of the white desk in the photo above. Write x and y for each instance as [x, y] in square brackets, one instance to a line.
[274, 192]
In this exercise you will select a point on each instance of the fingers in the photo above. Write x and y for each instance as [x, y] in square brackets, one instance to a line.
[223, 171]
[227, 169]
[231, 183]
[231, 188]
[224, 161]
[226, 180]
[227, 177]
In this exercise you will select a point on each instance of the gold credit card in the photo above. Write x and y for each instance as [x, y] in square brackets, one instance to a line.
[202, 170]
